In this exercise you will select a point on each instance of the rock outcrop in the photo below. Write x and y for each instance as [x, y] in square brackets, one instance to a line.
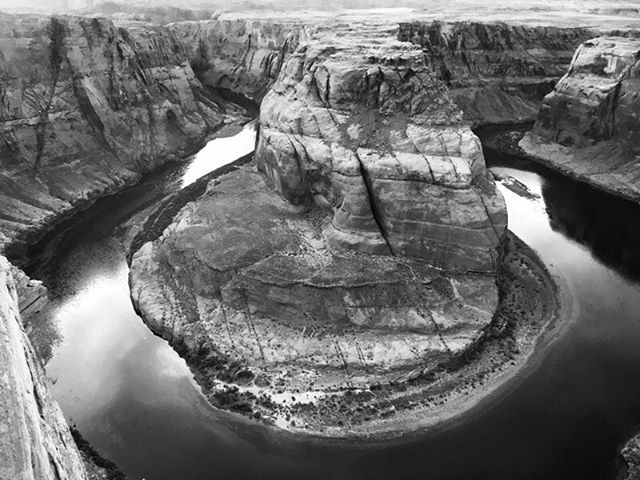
[361, 248]
[35, 442]
[497, 73]
[87, 106]
[588, 126]
[241, 55]
[371, 134]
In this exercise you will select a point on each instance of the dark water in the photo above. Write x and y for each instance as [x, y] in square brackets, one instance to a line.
[134, 399]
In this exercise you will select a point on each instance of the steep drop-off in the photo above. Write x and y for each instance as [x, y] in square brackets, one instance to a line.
[35, 442]
[496, 73]
[588, 126]
[241, 55]
[87, 106]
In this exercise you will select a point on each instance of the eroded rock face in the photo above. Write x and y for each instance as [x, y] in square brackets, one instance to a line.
[35, 442]
[368, 132]
[496, 72]
[588, 126]
[599, 97]
[245, 285]
[86, 107]
[359, 250]
[242, 55]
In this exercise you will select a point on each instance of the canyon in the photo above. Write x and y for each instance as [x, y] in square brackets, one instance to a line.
[357, 277]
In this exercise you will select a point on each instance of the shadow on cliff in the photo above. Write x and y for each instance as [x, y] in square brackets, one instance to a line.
[606, 225]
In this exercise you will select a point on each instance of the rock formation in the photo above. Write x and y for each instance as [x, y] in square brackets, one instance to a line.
[87, 106]
[241, 55]
[369, 132]
[588, 126]
[35, 442]
[496, 72]
[362, 250]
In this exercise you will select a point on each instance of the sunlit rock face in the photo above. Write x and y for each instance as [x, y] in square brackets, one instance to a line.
[588, 126]
[368, 132]
[35, 442]
[242, 55]
[86, 106]
[496, 72]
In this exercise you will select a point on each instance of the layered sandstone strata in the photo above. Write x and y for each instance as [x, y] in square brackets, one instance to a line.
[35, 442]
[87, 106]
[588, 126]
[371, 134]
[496, 72]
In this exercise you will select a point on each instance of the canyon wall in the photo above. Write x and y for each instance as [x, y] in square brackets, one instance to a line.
[588, 126]
[241, 55]
[496, 72]
[35, 442]
[87, 106]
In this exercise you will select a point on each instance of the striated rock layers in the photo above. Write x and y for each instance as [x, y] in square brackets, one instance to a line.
[588, 126]
[85, 107]
[496, 72]
[373, 135]
[35, 442]
[361, 251]
[241, 55]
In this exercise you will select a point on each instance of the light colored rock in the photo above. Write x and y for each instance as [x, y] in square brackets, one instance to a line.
[35, 442]
[367, 126]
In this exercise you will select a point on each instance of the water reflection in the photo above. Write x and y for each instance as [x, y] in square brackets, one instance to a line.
[220, 152]
[607, 225]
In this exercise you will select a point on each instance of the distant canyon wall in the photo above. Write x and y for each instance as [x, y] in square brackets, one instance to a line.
[241, 55]
[495, 72]
[588, 125]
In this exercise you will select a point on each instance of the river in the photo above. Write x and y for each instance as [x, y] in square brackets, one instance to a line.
[564, 416]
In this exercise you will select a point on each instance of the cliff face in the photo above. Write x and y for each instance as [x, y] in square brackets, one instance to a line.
[85, 107]
[242, 55]
[496, 72]
[369, 133]
[35, 442]
[597, 100]
[588, 126]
